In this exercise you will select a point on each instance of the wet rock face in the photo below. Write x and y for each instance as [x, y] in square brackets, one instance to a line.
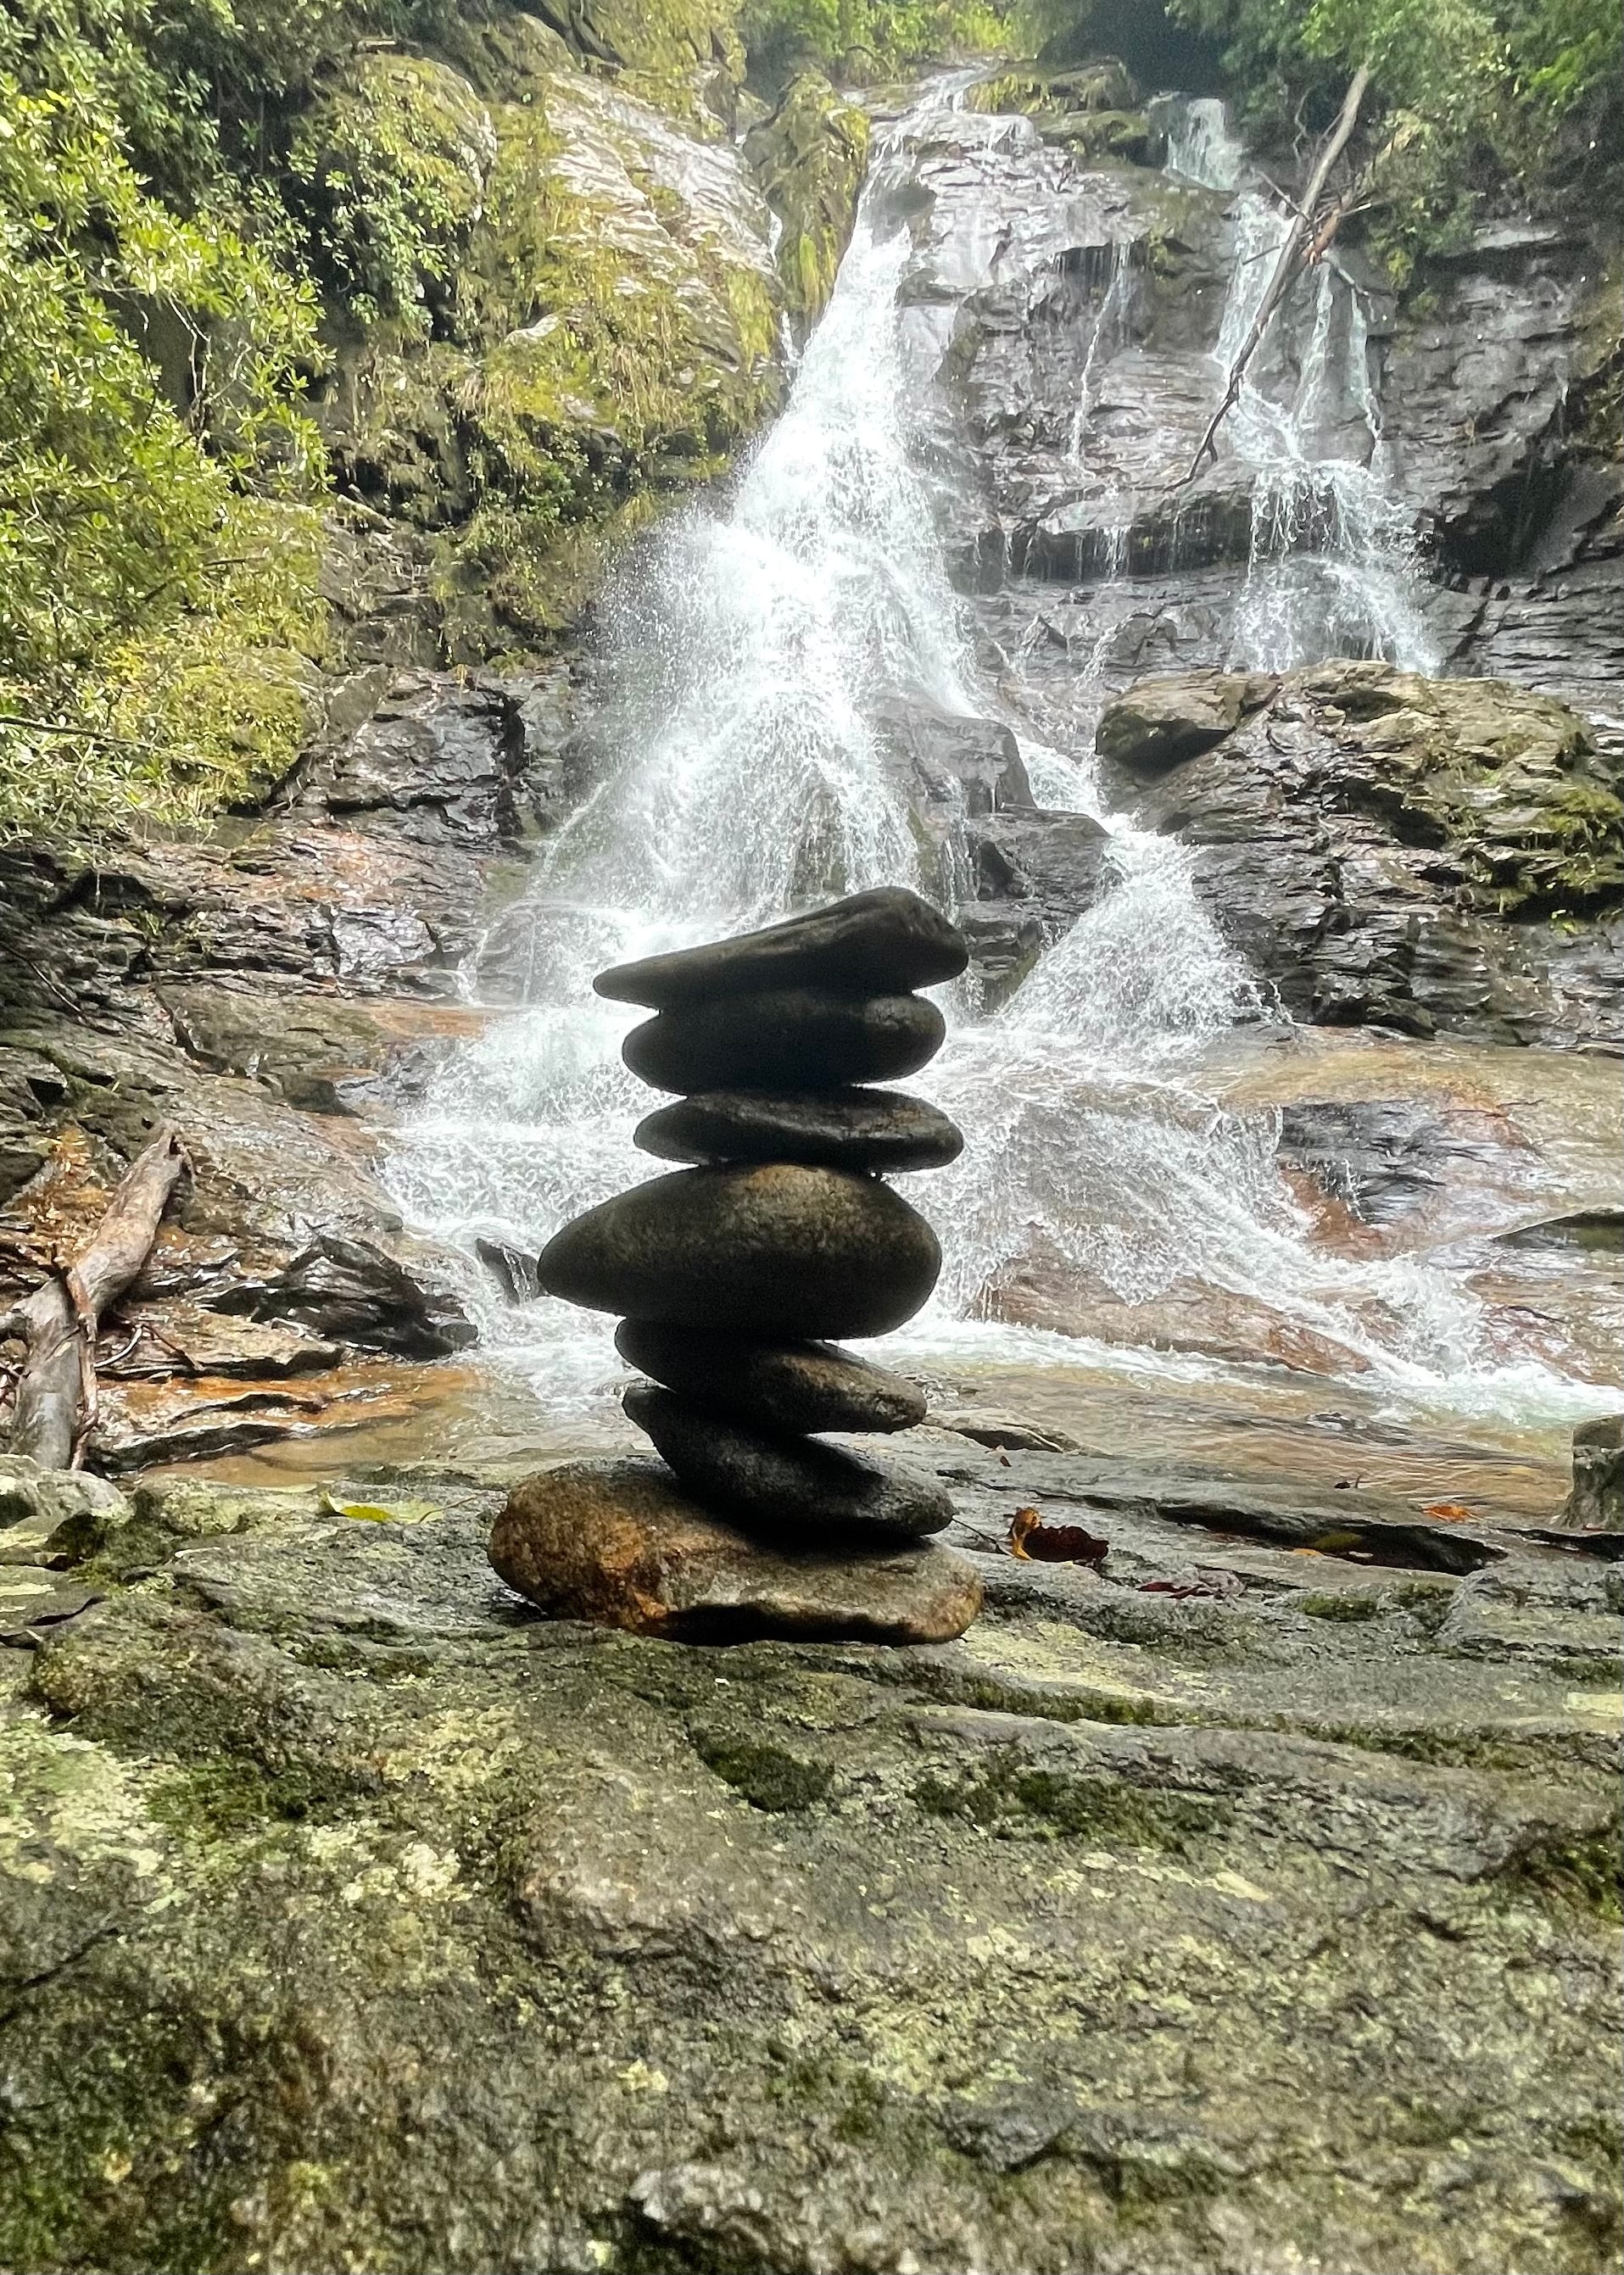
[1389, 849]
[1070, 305]
[809, 158]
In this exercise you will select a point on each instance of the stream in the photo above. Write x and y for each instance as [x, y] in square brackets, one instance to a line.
[1122, 1106]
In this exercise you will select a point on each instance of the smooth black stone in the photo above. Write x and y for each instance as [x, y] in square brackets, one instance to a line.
[794, 1038]
[880, 1130]
[784, 1253]
[785, 1488]
[793, 1387]
[877, 943]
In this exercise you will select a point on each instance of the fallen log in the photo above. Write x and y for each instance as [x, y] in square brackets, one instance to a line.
[56, 1399]
[1291, 258]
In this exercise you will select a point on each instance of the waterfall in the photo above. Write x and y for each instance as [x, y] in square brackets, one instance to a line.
[748, 650]
[1200, 145]
[1333, 569]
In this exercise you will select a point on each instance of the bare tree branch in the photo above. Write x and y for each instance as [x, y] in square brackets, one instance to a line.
[1294, 254]
[56, 1401]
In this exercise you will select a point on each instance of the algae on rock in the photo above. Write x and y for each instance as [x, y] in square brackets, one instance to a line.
[810, 157]
[613, 336]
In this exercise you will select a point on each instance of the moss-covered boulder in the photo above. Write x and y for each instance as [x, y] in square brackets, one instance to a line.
[810, 157]
[1103, 84]
[1430, 854]
[613, 336]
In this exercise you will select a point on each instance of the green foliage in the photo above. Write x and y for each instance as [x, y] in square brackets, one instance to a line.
[862, 39]
[391, 171]
[1466, 94]
[151, 360]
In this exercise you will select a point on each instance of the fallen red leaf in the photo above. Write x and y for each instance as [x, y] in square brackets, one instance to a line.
[1208, 1580]
[1034, 1541]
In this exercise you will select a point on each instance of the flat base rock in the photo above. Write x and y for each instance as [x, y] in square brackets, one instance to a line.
[884, 1130]
[796, 1386]
[783, 1037]
[786, 1488]
[619, 1544]
[869, 941]
[775, 1252]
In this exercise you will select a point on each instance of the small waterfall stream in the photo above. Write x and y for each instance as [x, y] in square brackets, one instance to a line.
[749, 652]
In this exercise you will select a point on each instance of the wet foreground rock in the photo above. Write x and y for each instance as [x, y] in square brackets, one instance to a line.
[353, 1915]
[732, 1274]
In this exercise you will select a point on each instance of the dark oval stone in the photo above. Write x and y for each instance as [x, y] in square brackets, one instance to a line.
[776, 1385]
[881, 1129]
[877, 943]
[777, 1252]
[785, 1488]
[794, 1038]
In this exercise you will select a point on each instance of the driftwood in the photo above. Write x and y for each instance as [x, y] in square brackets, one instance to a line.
[1306, 242]
[56, 1402]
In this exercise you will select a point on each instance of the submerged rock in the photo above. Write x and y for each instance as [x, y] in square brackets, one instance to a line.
[619, 1544]
[776, 1251]
[782, 1487]
[778, 1386]
[788, 1035]
[879, 1129]
[877, 942]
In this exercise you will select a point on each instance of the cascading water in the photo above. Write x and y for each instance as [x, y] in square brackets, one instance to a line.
[1334, 567]
[750, 656]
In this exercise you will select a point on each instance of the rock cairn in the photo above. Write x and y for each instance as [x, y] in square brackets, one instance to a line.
[734, 1277]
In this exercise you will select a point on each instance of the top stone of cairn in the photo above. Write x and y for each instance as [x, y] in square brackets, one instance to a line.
[882, 941]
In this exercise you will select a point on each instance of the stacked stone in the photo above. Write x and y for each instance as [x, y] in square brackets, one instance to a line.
[737, 1276]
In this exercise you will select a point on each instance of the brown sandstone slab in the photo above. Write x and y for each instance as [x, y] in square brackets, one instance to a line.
[619, 1544]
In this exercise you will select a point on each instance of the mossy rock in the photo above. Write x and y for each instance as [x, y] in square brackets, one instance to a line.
[810, 157]
[1125, 137]
[1070, 91]
[615, 336]
[1512, 788]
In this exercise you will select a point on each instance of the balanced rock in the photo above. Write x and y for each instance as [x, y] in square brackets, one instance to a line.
[795, 1489]
[880, 1130]
[877, 942]
[788, 1035]
[775, 1385]
[619, 1544]
[776, 1251]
